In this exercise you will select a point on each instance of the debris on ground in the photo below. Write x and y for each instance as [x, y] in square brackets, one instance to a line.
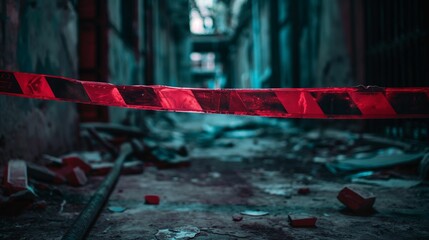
[357, 200]
[381, 160]
[15, 178]
[17, 202]
[302, 220]
[237, 217]
[282, 181]
[164, 158]
[179, 233]
[77, 177]
[303, 191]
[254, 213]
[390, 183]
[103, 168]
[115, 129]
[73, 160]
[40, 205]
[152, 199]
[62, 205]
[93, 159]
[42, 173]
[116, 209]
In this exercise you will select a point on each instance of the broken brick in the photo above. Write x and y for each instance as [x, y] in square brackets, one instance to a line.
[356, 200]
[302, 220]
[76, 161]
[151, 199]
[303, 191]
[15, 178]
[77, 177]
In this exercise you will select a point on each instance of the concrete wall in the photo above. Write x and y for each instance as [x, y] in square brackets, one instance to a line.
[37, 36]
[172, 46]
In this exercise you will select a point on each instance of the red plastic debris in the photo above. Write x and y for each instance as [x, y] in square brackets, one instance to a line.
[15, 177]
[304, 191]
[76, 161]
[151, 199]
[302, 220]
[356, 200]
[77, 177]
[237, 217]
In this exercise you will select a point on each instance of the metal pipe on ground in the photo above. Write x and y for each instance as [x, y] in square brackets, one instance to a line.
[82, 224]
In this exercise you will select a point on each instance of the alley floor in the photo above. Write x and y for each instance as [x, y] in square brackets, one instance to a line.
[239, 164]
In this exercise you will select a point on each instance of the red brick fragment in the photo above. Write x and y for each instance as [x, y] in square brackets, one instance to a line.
[302, 220]
[304, 191]
[76, 161]
[15, 178]
[151, 199]
[77, 177]
[356, 200]
[237, 217]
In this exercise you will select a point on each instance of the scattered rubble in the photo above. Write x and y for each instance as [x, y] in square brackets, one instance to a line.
[179, 233]
[44, 174]
[77, 177]
[351, 157]
[303, 191]
[116, 209]
[15, 178]
[102, 169]
[254, 213]
[390, 183]
[358, 201]
[237, 217]
[302, 220]
[76, 161]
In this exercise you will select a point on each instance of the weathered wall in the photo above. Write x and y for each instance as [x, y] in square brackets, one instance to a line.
[37, 36]
[129, 49]
[125, 52]
[311, 45]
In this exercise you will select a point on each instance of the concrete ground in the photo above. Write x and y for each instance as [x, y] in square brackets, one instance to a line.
[245, 169]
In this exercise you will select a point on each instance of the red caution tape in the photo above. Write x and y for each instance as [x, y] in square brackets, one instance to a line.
[345, 103]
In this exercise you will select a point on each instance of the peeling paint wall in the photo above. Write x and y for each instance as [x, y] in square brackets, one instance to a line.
[41, 37]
